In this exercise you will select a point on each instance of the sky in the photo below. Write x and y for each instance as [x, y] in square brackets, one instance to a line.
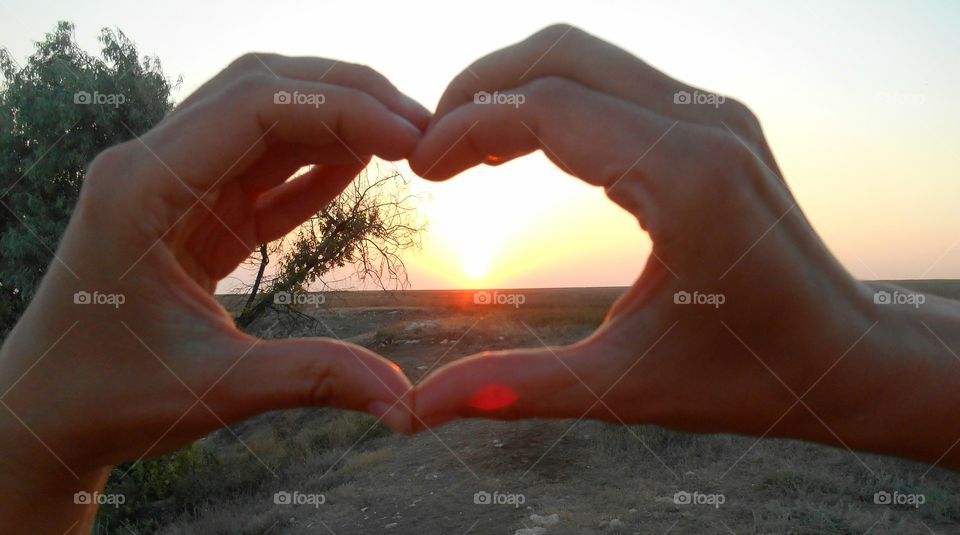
[858, 101]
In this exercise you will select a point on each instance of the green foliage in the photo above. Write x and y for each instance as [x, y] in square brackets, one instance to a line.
[149, 484]
[57, 112]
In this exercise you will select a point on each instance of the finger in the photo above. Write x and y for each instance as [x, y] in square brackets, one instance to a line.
[508, 385]
[282, 161]
[588, 134]
[285, 374]
[359, 77]
[285, 207]
[222, 137]
[568, 52]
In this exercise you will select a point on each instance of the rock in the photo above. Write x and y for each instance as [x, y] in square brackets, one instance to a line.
[444, 342]
[632, 511]
[390, 525]
[612, 524]
[548, 520]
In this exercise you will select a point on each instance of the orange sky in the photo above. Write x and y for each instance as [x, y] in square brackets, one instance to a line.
[858, 102]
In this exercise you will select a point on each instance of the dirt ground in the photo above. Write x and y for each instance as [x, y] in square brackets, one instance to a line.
[540, 477]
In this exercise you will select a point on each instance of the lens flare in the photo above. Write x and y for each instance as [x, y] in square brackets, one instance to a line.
[492, 397]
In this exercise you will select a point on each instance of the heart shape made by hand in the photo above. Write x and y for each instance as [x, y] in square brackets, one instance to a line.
[688, 346]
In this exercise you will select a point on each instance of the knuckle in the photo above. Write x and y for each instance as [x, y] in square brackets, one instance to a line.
[740, 117]
[556, 31]
[112, 158]
[101, 181]
[322, 389]
[734, 163]
[251, 83]
[370, 78]
[550, 86]
[251, 61]
[367, 73]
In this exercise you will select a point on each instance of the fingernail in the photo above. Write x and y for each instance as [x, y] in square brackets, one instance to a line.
[393, 415]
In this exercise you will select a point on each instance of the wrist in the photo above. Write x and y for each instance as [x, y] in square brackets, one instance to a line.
[897, 390]
[44, 497]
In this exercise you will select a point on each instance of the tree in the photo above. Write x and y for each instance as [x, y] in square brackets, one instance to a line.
[57, 112]
[364, 230]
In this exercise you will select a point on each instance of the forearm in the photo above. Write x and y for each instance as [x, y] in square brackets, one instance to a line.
[41, 496]
[40, 477]
[897, 391]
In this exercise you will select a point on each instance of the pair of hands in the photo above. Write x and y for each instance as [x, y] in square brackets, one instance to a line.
[162, 218]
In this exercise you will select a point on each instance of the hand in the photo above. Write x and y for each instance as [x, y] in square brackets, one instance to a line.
[159, 221]
[776, 330]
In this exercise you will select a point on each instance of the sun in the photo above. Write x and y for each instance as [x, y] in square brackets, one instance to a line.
[475, 264]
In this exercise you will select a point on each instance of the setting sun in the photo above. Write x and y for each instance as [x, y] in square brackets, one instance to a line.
[476, 263]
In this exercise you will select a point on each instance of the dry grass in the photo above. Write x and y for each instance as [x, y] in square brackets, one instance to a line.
[588, 474]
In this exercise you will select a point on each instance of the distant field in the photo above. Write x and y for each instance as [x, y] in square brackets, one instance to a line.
[578, 477]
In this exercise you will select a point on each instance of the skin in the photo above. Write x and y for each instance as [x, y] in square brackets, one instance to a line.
[160, 220]
[798, 348]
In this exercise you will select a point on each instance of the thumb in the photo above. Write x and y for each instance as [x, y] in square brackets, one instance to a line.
[284, 374]
[508, 385]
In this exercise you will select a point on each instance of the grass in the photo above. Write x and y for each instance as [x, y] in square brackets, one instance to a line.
[206, 477]
[592, 473]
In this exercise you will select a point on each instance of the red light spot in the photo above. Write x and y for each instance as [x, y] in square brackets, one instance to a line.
[492, 397]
